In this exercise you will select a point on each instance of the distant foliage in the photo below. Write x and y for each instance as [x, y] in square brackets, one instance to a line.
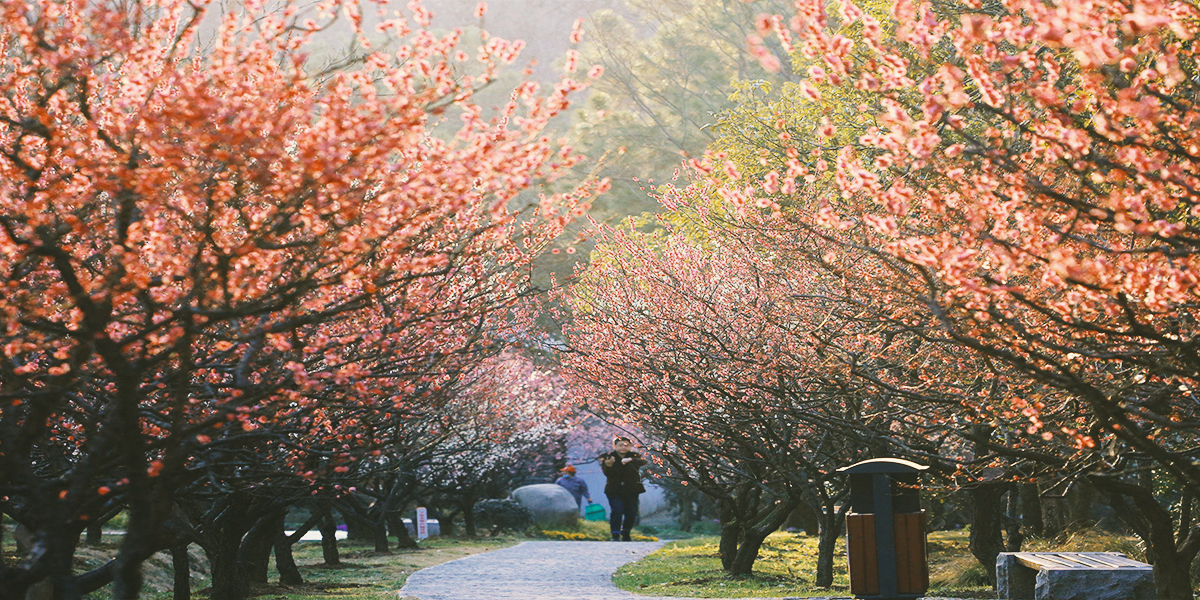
[499, 516]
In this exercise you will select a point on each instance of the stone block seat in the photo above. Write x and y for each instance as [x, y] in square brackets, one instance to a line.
[1073, 576]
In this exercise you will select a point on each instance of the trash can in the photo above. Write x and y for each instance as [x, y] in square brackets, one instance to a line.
[885, 530]
[594, 512]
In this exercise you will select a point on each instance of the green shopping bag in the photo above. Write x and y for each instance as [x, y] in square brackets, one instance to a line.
[594, 512]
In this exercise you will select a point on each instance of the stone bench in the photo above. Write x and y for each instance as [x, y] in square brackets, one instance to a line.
[1073, 576]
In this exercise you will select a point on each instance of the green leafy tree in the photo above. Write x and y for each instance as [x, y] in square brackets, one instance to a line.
[669, 71]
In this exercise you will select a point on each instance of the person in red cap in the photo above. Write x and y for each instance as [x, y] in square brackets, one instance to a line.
[575, 485]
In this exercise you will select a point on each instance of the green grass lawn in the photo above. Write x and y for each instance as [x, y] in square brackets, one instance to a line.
[692, 568]
[787, 564]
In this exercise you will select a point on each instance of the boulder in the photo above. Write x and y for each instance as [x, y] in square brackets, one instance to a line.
[550, 504]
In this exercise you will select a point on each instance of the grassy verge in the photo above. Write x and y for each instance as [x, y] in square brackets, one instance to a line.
[787, 563]
[692, 568]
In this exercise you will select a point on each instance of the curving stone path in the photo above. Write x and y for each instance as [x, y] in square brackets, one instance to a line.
[532, 571]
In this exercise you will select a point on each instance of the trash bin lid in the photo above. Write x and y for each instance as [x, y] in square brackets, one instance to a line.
[883, 465]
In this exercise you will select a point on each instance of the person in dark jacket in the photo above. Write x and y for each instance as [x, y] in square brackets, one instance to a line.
[575, 485]
[622, 468]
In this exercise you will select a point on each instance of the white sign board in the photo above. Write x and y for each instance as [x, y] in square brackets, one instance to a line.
[422, 523]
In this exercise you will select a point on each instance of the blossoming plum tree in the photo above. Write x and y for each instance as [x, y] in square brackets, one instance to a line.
[509, 423]
[713, 347]
[222, 270]
[1035, 163]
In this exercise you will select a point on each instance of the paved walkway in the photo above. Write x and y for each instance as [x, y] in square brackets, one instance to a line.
[532, 571]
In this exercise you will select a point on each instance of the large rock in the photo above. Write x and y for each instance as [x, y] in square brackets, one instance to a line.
[550, 504]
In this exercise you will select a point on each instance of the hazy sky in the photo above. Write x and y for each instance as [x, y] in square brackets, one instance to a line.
[545, 25]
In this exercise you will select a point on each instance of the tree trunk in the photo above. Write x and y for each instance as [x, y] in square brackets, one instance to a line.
[731, 535]
[328, 529]
[687, 509]
[1079, 502]
[59, 548]
[1052, 516]
[446, 521]
[181, 564]
[22, 538]
[805, 518]
[1154, 525]
[95, 534]
[1013, 536]
[745, 523]
[127, 580]
[356, 529]
[127, 573]
[831, 529]
[254, 555]
[381, 537]
[285, 563]
[365, 524]
[1172, 577]
[985, 540]
[469, 521]
[747, 552]
[1031, 509]
[95, 530]
[223, 548]
[228, 583]
[403, 539]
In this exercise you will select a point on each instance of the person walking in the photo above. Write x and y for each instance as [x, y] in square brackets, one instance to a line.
[622, 468]
[575, 485]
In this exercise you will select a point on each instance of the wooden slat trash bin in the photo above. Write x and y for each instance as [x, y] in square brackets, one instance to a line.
[1073, 576]
[885, 530]
[912, 569]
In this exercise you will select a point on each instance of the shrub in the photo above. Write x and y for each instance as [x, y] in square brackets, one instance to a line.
[591, 531]
[582, 536]
[571, 536]
[498, 516]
